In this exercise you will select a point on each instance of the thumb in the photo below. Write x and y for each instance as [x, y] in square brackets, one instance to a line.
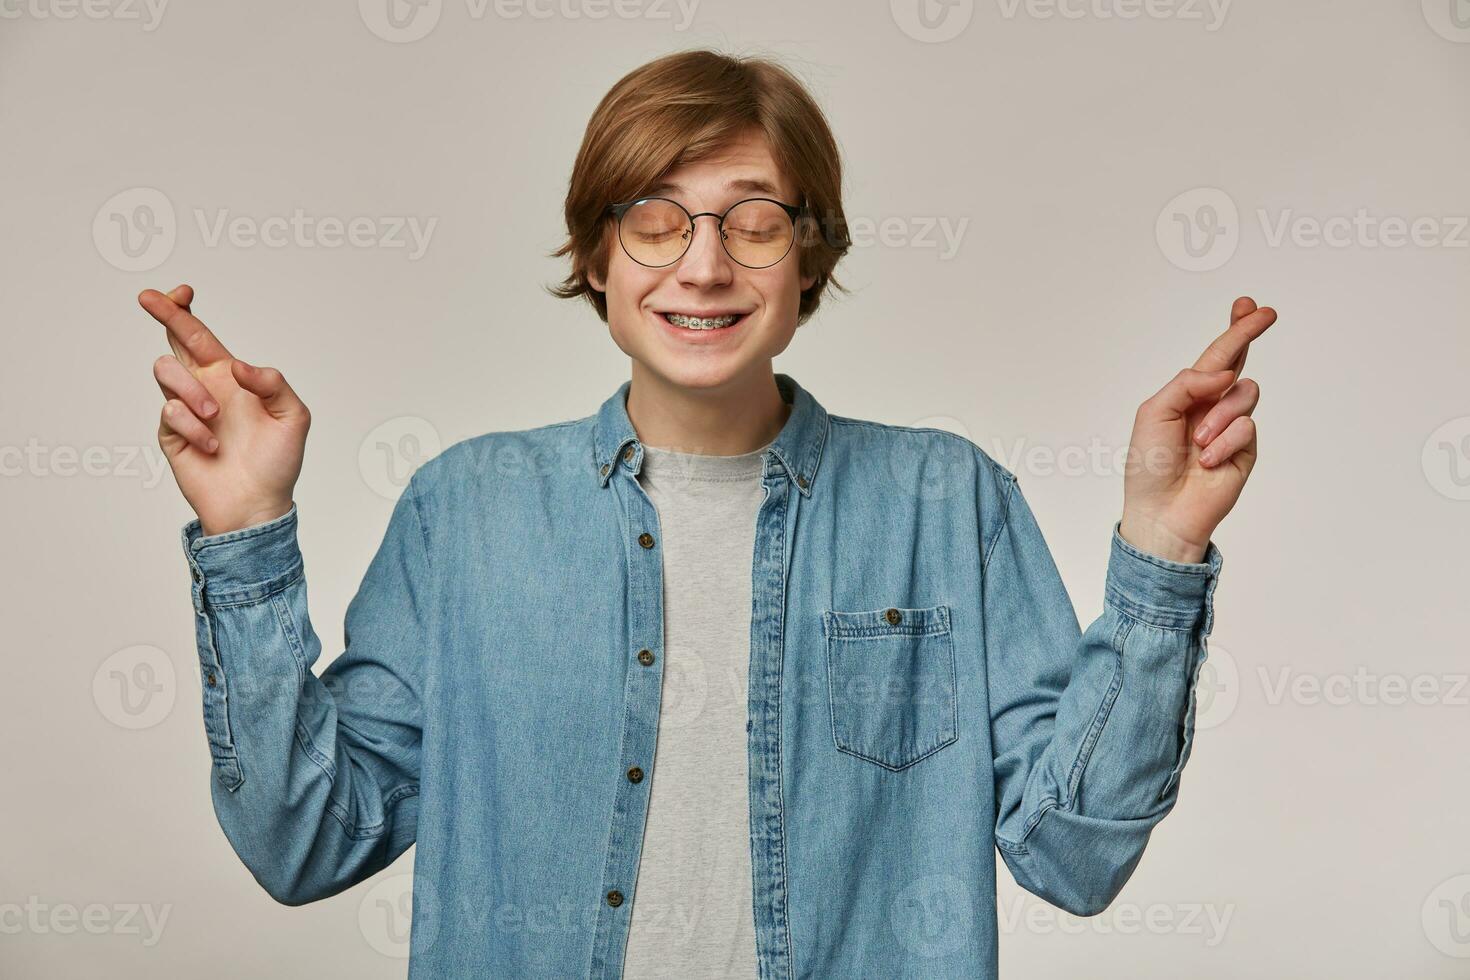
[269, 385]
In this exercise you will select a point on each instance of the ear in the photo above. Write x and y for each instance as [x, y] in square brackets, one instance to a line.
[596, 281]
[807, 282]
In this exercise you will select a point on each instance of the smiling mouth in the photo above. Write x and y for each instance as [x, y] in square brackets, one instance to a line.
[703, 322]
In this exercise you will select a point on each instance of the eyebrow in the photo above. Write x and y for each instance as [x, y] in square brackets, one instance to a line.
[754, 184]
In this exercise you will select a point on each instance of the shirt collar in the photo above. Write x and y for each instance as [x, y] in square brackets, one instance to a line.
[798, 447]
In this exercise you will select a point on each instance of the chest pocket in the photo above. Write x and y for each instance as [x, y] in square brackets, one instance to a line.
[891, 683]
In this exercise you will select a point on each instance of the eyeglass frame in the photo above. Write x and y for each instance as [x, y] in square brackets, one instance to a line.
[793, 211]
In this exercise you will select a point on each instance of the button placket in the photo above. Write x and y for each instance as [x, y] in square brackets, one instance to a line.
[641, 693]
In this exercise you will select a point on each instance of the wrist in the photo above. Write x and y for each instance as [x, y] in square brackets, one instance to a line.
[1153, 538]
[261, 516]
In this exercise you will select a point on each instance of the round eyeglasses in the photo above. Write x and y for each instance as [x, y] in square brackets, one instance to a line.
[756, 232]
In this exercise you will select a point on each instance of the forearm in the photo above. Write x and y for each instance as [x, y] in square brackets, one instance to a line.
[308, 810]
[1092, 728]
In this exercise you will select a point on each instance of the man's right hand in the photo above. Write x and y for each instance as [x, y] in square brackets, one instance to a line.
[234, 434]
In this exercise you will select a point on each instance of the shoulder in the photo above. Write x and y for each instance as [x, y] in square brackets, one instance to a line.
[517, 456]
[926, 446]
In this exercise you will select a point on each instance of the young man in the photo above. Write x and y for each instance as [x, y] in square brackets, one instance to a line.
[710, 682]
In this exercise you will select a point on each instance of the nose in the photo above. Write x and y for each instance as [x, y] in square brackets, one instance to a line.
[706, 263]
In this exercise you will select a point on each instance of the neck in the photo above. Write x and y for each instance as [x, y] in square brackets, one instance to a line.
[738, 417]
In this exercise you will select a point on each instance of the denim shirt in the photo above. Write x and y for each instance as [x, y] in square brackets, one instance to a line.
[920, 696]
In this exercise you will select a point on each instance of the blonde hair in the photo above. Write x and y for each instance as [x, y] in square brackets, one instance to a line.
[685, 107]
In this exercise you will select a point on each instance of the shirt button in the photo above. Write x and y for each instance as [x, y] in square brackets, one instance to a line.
[195, 572]
[628, 455]
[645, 657]
[635, 775]
[645, 539]
[893, 616]
[604, 469]
[801, 481]
[615, 898]
[211, 678]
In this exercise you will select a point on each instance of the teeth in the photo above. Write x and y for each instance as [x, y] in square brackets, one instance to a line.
[701, 322]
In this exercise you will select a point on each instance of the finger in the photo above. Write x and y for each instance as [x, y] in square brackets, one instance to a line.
[183, 294]
[177, 381]
[1242, 306]
[1228, 349]
[1187, 388]
[1238, 437]
[1241, 399]
[177, 419]
[269, 385]
[191, 340]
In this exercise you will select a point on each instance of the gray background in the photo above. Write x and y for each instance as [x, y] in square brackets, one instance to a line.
[1322, 822]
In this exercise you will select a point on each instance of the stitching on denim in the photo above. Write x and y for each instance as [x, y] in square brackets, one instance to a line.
[1190, 709]
[293, 636]
[1004, 520]
[954, 706]
[250, 594]
[1104, 711]
[419, 519]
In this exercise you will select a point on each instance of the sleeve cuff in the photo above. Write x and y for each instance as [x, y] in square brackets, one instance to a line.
[1159, 591]
[246, 564]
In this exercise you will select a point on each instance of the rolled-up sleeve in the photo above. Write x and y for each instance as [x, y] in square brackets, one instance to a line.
[315, 779]
[1090, 730]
